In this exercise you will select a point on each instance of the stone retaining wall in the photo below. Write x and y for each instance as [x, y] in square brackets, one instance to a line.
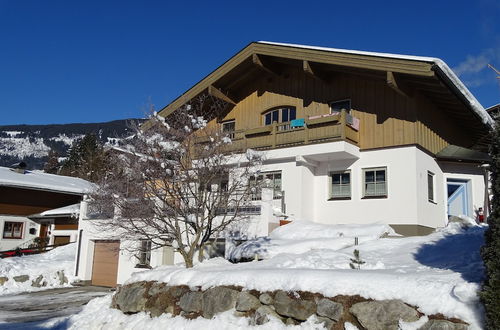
[38, 282]
[289, 307]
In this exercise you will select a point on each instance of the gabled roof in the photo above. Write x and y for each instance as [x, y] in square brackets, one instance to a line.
[44, 181]
[430, 74]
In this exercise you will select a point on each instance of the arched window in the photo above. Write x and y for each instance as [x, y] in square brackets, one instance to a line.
[279, 115]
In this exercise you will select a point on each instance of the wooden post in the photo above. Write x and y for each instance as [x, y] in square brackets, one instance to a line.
[275, 128]
[343, 123]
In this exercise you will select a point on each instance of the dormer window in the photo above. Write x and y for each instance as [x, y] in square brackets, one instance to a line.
[279, 115]
[337, 106]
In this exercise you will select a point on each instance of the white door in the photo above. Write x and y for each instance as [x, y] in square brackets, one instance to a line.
[458, 201]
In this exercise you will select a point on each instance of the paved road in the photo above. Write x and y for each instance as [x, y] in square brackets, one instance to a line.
[27, 310]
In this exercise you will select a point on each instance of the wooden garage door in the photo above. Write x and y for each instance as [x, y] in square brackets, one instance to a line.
[105, 265]
[58, 240]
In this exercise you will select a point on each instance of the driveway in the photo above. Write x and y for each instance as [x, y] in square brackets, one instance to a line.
[29, 310]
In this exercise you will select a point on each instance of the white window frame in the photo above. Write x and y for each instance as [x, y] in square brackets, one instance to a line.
[431, 184]
[280, 114]
[259, 178]
[340, 197]
[386, 182]
[13, 223]
[144, 255]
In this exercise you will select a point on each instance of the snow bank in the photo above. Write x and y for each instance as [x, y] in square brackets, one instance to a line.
[45, 264]
[438, 273]
[302, 236]
[297, 230]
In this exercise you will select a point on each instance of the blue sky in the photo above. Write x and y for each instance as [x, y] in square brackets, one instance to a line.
[92, 61]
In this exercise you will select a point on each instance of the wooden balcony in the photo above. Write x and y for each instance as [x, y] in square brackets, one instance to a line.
[280, 135]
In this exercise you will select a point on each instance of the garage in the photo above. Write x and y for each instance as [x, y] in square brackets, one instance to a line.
[61, 240]
[105, 264]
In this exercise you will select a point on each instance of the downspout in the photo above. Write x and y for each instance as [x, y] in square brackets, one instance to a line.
[78, 251]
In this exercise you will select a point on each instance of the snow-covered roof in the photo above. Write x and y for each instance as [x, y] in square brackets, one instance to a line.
[44, 181]
[474, 103]
[61, 211]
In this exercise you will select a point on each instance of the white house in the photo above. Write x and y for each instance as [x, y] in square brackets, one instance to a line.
[25, 193]
[349, 137]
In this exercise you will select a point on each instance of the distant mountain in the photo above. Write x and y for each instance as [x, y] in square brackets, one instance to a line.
[32, 143]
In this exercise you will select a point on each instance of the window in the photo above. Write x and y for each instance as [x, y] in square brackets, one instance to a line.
[144, 254]
[266, 180]
[430, 186]
[228, 127]
[13, 230]
[340, 185]
[337, 106]
[280, 115]
[375, 182]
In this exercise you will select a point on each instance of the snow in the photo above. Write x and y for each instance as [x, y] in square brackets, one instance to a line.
[23, 147]
[66, 139]
[46, 264]
[474, 103]
[438, 273]
[44, 181]
[70, 209]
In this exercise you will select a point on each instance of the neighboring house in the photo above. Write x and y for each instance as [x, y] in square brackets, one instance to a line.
[494, 111]
[62, 223]
[24, 193]
[349, 136]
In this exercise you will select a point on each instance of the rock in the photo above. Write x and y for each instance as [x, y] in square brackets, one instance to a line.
[217, 300]
[443, 325]
[157, 288]
[327, 322]
[177, 291]
[131, 298]
[246, 302]
[21, 278]
[266, 299]
[291, 321]
[330, 309]
[383, 314]
[296, 308]
[39, 282]
[62, 278]
[191, 301]
[3, 279]
[262, 314]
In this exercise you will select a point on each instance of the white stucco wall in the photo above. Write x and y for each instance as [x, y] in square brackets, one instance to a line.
[430, 214]
[473, 173]
[12, 243]
[398, 208]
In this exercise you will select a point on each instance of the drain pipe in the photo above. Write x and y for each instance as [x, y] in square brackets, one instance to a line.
[78, 251]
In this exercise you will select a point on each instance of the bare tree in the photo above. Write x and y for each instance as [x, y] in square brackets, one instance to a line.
[177, 183]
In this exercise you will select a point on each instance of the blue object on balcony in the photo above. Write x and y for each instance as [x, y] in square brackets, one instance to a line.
[297, 123]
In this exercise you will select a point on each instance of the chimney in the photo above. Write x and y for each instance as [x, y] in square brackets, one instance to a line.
[19, 167]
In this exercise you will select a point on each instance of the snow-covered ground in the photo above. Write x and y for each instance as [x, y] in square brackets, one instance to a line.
[45, 264]
[438, 273]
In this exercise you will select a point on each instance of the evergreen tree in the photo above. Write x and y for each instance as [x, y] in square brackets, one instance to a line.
[52, 164]
[87, 159]
[490, 294]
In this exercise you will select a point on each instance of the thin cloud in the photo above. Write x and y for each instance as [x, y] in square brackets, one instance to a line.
[475, 64]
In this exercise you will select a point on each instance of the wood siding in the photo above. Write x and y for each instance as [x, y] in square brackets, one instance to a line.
[18, 201]
[387, 118]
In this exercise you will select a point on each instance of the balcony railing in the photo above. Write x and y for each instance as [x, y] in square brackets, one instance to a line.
[328, 128]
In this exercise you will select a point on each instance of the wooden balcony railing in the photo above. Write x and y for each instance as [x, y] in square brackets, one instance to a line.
[279, 135]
